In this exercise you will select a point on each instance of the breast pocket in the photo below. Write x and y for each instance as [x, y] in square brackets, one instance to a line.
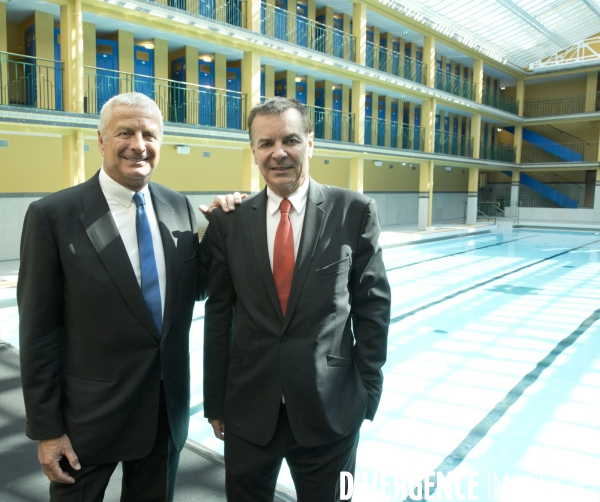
[336, 267]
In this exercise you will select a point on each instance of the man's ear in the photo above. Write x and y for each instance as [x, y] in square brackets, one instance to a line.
[100, 144]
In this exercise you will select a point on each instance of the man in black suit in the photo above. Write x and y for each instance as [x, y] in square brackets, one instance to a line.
[296, 321]
[108, 278]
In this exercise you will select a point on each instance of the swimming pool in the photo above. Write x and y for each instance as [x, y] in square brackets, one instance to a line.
[493, 372]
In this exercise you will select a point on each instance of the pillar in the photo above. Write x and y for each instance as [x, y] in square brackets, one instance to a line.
[476, 132]
[250, 173]
[71, 51]
[357, 172]
[359, 30]
[358, 109]
[251, 80]
[591, 89]
[270, 82]
[425, 194]
[473, 187]
[478, 80]
[429, 60]
[428, 122]
[521, 96]
[253, 15]
[514, 195]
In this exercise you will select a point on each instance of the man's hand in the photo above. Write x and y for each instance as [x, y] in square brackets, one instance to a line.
[218, 427]
[226, 202]
[50, 451]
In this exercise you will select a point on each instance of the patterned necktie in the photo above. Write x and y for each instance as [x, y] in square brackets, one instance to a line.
[150, 284]
[283, 255]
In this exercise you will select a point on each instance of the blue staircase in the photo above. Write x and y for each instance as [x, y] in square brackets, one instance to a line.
[548, 145]
[546, 191]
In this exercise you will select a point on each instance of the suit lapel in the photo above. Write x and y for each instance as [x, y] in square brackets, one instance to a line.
[168, 231]
[257, 225]
[311, 233]
[104, 236]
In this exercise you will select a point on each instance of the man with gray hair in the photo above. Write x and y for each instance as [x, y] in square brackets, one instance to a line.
[108, 279]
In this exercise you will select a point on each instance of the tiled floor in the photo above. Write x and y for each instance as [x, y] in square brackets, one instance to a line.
[493, 372]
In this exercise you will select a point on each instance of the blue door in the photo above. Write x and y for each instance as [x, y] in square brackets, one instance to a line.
[301, 92]
[177, 101]
[28, 91]
[143, 67]
[281, 88]
[383, 54]
[58, 76]
[207, 8]
[234, 12]
[368, 122]
[394, 126]
[281, 19]
[369, 48]
[337, 115]
[234, 102]
[381, 122]
[338, 37]
[107, 78]
[262, 86]
[417, 145]
[302, 24]
[206, 100]
[319, 124]
[321, 34]
[396, 59]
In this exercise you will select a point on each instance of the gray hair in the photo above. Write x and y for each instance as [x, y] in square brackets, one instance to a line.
[136, 99]
[276, 106]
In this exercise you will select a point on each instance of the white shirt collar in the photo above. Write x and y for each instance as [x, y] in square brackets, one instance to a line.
[298, 198]
[118, 192]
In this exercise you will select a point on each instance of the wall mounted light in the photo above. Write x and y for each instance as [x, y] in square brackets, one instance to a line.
[183, 149]
[448, 169]
[206, 59]
[149, 46]
[377, 163]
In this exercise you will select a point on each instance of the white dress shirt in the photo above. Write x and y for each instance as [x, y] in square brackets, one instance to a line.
[121, 205]
[298, 200]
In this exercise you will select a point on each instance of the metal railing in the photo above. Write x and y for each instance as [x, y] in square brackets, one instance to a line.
[497, 151]
[555, 153]
[179, 102]
[331, 124]
[31, 81]
[453, 144]
[501, 101]
[580, 103]
[283, 25]
[446, 81]
[395, 63]
[231, 11]
[394, 134]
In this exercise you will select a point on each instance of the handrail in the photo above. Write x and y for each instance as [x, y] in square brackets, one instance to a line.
[331, 124]
[35, 58]
[574, 104]
[454, 84]
[396, 63]
[229, 12]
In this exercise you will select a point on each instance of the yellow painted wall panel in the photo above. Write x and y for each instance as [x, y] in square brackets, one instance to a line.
[336, 173]
[557, 89]
[383, 179]
[31, 164]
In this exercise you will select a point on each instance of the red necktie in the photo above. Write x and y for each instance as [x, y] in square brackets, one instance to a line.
[283, 255]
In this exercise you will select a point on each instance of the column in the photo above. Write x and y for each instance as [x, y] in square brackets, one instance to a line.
[429, 60]
[290, 84]
[472, 190]
[71, 51]
[345, 111]
[359, 30]
[476, 132]
[388, 121]
[251, 81]
[478, 79]
[425, 194]
[250, 173]
[161, 75]
[357, 171]
[347, 21]
[126, 66]
[358, 109]
[428, 122]
[518, 143]
[521, 96]
[73, 158]
[513, 212]
[253, 15]
[270, 82]
[591, 89]
[221, 84]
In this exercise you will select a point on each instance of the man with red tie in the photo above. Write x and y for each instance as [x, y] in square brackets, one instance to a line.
[296, 321]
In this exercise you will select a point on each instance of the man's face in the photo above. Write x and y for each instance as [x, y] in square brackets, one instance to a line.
[281, 150]
[131, 146]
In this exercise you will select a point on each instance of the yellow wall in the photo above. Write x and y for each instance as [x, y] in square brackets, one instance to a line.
[336, 173]
[383, 179]
[15, 41]
[31, 164]
[456, 180]
[559, 88]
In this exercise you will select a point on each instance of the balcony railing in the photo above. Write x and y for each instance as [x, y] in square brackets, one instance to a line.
[231, 11]
[581, 103]
[394, 134]
[501, 101]
[497, 151]
[397, 64]
[31, 82]
[446, 81]
[179, 102]
[556, 153]
[331, 124]
[283, 25]
[453, 144]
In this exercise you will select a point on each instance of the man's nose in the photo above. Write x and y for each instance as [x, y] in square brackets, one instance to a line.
[136, 142]
[279, 152]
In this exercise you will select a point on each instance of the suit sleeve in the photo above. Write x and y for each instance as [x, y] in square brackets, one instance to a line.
[218, 322]
[371, 299]
[40, 301]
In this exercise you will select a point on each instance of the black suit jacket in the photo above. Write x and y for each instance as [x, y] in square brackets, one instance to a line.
[91, 356]
[326, 355]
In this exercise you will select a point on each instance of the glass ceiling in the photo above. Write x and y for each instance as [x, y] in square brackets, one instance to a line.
[518, 33]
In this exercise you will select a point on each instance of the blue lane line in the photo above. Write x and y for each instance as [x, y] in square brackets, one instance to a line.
[459, 252]
[477, 433]
[483, 283]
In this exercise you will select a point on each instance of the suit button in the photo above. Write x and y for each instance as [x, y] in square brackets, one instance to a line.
[284, 339]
